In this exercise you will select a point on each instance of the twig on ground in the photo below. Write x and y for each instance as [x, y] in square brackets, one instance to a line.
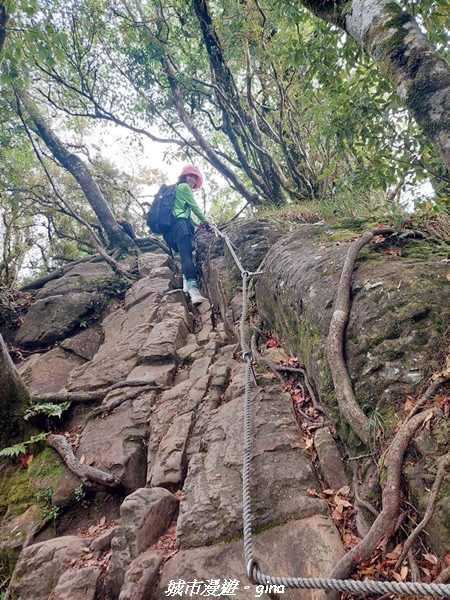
[443, 576]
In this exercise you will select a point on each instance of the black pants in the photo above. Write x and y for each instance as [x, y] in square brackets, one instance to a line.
[180, 240]
[185, 250]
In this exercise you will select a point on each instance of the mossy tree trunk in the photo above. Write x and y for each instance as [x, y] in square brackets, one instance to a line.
[14, 399]
[393, 40]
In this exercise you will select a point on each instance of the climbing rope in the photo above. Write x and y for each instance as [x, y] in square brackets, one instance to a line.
[252, 566]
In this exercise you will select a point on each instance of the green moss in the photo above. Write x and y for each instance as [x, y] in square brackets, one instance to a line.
[19, 486]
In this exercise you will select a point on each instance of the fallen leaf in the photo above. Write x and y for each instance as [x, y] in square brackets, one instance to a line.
[102, 520]
[410, 403]
[82, 459]
[26, 460]
[312, 492]
[341, 502]
[448, 275]
[308, 443]
[338, 513]
[395, 553]
[431, 558]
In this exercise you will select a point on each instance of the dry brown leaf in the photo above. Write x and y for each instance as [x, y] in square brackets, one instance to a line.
[395, 553]
[431, 558]
[309, 442]
[103, 520]
[342, 502]
[338, 513]
[82, 459]
[410, 403]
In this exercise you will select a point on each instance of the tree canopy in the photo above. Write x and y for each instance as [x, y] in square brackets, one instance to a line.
[291, 102]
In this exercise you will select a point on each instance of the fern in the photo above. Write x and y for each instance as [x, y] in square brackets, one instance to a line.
[48, 408]
[20, 448]
[14, 451]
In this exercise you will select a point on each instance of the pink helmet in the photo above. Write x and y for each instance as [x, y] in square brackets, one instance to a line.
[191, 170]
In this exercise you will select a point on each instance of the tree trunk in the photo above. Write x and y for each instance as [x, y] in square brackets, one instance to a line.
[116, 235]
[4, 18]
[394, 41]
[14, 399]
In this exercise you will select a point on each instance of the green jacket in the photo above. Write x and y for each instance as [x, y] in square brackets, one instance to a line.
[185, 202]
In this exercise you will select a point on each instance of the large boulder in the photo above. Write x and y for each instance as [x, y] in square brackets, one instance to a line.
[63, 305]
[41, 565]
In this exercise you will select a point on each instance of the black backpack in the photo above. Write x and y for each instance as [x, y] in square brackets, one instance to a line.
[159, 217]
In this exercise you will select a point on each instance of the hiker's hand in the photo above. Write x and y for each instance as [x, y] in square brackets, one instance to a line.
[208, 227]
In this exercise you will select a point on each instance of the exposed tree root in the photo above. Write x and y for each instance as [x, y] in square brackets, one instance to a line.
[443, 465]
[80, 397]
[84, 472]
[335, 343]
[384, 524]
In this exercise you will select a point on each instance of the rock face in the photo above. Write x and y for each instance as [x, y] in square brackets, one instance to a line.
[396, 321]
[172, 431]
[62, 305]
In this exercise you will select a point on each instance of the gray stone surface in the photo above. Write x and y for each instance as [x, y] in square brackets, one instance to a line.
[86, 343]
[115, 442]
[149, 261]
[145, 515]
[170, 465]
[306, 548]
[125, 331]
[77, 584]
[48, 372]
[142, 575]
[51, 319]
[164, 340]
[210, 509]
[41, 565]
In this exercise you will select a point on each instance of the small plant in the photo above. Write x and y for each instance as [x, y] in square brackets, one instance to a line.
[44, 498]
[375, 422]
[79, 493]
[48, 409]
[21, 447]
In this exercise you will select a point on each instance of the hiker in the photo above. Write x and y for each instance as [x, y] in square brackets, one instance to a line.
[180, 235]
